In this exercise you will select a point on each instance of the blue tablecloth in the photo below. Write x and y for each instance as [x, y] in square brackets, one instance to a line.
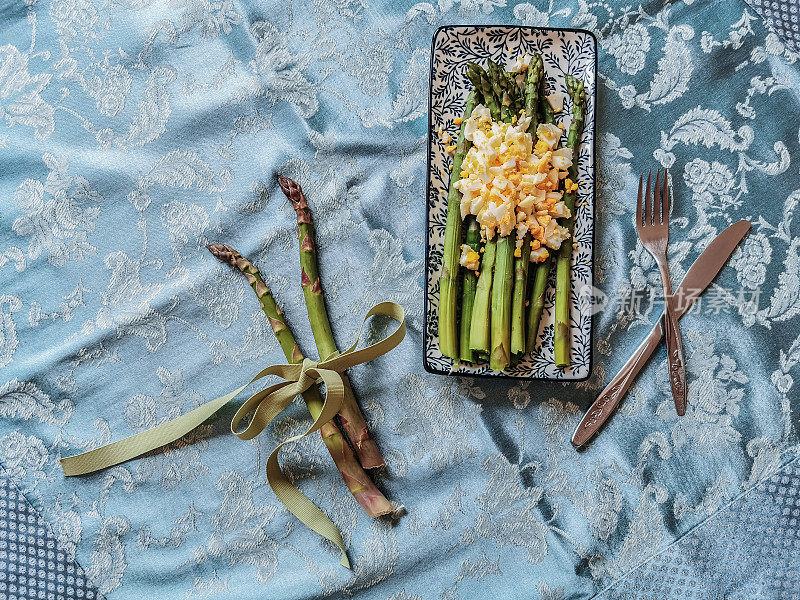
[135, 131]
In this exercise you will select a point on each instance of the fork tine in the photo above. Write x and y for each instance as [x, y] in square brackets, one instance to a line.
[657, 199]
[665, 200]
[648, 201]
[639, 216]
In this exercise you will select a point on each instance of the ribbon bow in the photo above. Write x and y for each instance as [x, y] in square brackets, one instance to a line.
[268, 404]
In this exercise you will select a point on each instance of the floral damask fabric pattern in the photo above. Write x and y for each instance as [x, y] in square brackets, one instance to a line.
[135, 132]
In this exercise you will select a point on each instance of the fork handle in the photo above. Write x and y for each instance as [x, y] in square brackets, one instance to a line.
[675, 358]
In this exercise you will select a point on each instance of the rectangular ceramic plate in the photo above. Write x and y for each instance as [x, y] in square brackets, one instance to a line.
[572, 51]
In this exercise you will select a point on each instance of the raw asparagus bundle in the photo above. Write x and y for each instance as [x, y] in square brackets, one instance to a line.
[350, 415]
[358, 482]
[561, 337]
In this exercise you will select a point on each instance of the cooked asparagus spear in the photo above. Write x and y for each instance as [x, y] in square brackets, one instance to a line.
[561, 337]
[531, 93]
[480, 79]
[502, 284]
[448, 281]
[541, 271]
[501, 303]
[521, 266]
[517, 99]
[479, 329]
[352, 420]
[356, 479]
[502, 91]
[468, 289]
[534, 80]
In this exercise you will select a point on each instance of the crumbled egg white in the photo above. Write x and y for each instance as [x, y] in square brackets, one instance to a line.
[556, 100]
[520, 63]
[509, 183]
[539, 254]
[470, 258]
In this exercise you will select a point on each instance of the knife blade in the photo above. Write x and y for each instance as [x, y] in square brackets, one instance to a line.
[700, 275]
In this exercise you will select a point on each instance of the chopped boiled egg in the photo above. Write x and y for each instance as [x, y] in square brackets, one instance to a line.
[520, 63]
[539, 254]
[556, 100]
[511, 183]
[469, 258]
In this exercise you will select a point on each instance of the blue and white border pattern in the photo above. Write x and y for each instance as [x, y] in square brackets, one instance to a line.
[564, 51]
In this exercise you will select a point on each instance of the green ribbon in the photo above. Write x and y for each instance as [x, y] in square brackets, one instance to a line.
[268, 404]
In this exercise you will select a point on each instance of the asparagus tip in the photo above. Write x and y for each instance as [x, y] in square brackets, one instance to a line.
[294, 193]
[222, 252]
[216, 247]
[287, 185]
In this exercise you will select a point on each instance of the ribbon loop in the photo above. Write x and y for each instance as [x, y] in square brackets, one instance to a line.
[351, 356]
[267, 405]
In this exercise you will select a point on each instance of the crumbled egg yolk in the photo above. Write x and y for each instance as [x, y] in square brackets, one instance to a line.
[509, 183]
[469, 258]
[539, 254]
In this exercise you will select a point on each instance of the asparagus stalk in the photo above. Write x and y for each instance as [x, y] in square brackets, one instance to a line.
[503, 281]
[468, 289]
[561, 337]
[448, 281]
[540, 274]
[548, 115]
[531, 94]
[350, 415]
[502, 91]
[542, 269]
[501, 304]
[521, 265]
[517, 99]
[358, 482]
[479, 329]
[534, 79]
[480, 79]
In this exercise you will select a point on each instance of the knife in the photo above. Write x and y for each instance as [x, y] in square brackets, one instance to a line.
[697, 279]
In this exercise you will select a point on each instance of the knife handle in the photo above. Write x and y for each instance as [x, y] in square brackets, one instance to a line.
[675, 357]
[603, 407]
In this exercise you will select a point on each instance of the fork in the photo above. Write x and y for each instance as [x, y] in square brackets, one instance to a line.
[652, 225]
